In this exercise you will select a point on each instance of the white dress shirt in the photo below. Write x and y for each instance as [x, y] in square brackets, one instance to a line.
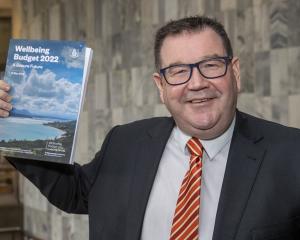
[172, 168]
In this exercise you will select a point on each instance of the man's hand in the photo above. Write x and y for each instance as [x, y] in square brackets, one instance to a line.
[5, 98]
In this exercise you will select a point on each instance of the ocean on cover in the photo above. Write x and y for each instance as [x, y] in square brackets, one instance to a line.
[47, 88]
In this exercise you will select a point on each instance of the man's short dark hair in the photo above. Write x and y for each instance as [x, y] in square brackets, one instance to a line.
[189, 24]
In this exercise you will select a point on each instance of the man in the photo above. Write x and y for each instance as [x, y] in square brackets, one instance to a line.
[145, 181]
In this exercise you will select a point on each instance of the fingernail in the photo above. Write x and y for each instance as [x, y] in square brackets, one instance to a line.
[9, 98]
[10, 107]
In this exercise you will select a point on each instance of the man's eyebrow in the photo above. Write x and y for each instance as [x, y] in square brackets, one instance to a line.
[215, 55]
[176, 63]
[205, 57]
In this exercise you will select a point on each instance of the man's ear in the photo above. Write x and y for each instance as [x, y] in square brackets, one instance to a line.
[159, 84]
[236, 72]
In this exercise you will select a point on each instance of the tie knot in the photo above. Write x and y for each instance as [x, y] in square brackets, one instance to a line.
[195, 147]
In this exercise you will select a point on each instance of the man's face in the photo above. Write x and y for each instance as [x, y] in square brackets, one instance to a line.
[202, 107]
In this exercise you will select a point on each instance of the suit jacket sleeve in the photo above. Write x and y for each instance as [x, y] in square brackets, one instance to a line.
[65, 186]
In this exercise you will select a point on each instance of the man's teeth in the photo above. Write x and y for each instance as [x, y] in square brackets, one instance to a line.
[200, 100]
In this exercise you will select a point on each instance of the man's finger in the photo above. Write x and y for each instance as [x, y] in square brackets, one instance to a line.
[5, 106]
[4, 113]
[4, 86]
[5, 96]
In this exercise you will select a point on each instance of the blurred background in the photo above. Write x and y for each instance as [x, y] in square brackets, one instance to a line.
[265, 34]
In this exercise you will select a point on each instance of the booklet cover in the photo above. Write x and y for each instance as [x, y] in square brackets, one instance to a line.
[48, 80]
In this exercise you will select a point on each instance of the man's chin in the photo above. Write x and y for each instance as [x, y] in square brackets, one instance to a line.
[197, 129]
[203, 124]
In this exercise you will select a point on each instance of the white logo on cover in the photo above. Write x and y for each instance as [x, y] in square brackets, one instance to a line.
[75, 53]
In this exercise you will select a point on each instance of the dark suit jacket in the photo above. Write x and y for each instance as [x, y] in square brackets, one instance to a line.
[260, 197]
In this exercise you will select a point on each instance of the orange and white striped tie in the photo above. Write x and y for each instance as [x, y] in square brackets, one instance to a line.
[186, 219]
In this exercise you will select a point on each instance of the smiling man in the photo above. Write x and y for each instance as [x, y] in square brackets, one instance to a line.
[207, 172]
[198, 81]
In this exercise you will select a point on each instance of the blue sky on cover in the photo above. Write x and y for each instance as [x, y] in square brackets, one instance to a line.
[54, 89]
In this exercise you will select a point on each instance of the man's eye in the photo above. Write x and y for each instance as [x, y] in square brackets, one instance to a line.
[178, 71]
[181, 71]
[211, 65]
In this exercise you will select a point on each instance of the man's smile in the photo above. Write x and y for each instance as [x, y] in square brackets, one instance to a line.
[201, 100]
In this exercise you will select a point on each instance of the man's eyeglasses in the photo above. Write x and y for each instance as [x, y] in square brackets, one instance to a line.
[208, 68]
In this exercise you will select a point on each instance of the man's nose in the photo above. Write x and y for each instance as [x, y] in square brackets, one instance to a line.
[197, 81]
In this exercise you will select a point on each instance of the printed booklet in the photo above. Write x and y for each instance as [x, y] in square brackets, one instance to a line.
[48, 81]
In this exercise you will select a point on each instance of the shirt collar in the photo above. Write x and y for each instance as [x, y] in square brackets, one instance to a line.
[212, 147]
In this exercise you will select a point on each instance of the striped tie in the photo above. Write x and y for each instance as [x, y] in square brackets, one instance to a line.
[186, 219]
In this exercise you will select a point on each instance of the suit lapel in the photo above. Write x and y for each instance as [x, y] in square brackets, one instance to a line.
[147, 160]
[245, 156]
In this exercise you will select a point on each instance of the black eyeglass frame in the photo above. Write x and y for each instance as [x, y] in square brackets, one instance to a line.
[227, 60]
